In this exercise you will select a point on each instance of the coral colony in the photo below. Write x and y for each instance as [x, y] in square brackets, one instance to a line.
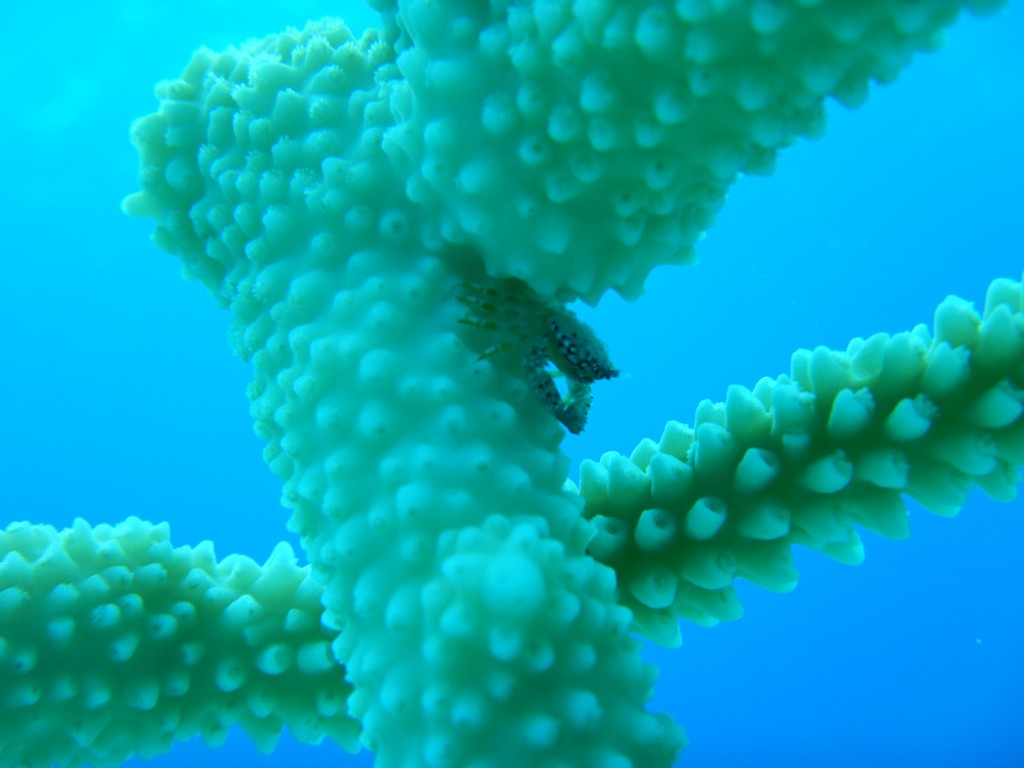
[396, 223]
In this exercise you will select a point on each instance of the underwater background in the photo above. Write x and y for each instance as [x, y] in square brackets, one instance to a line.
[120, 396]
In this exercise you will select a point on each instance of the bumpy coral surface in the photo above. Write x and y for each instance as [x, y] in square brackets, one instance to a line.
[319, 186]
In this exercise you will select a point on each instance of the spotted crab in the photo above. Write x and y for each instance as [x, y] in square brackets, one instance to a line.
[552, 341]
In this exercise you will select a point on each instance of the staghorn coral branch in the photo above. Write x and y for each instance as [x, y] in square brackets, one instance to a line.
[803, 458]
[114, 643]
[579, 145]
[425, 481]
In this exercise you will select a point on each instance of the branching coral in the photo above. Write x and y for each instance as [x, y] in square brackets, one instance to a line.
[130, 643]
[320, 199]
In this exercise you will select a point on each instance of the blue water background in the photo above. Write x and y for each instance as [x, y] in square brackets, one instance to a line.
[120, 396]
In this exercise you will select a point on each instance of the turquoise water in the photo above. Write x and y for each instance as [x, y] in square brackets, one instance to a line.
[120, 396]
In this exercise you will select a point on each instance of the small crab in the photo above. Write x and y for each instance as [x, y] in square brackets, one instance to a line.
[542, 332]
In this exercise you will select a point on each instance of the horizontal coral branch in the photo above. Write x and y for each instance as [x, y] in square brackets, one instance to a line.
[114, 643]
[803, 458]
